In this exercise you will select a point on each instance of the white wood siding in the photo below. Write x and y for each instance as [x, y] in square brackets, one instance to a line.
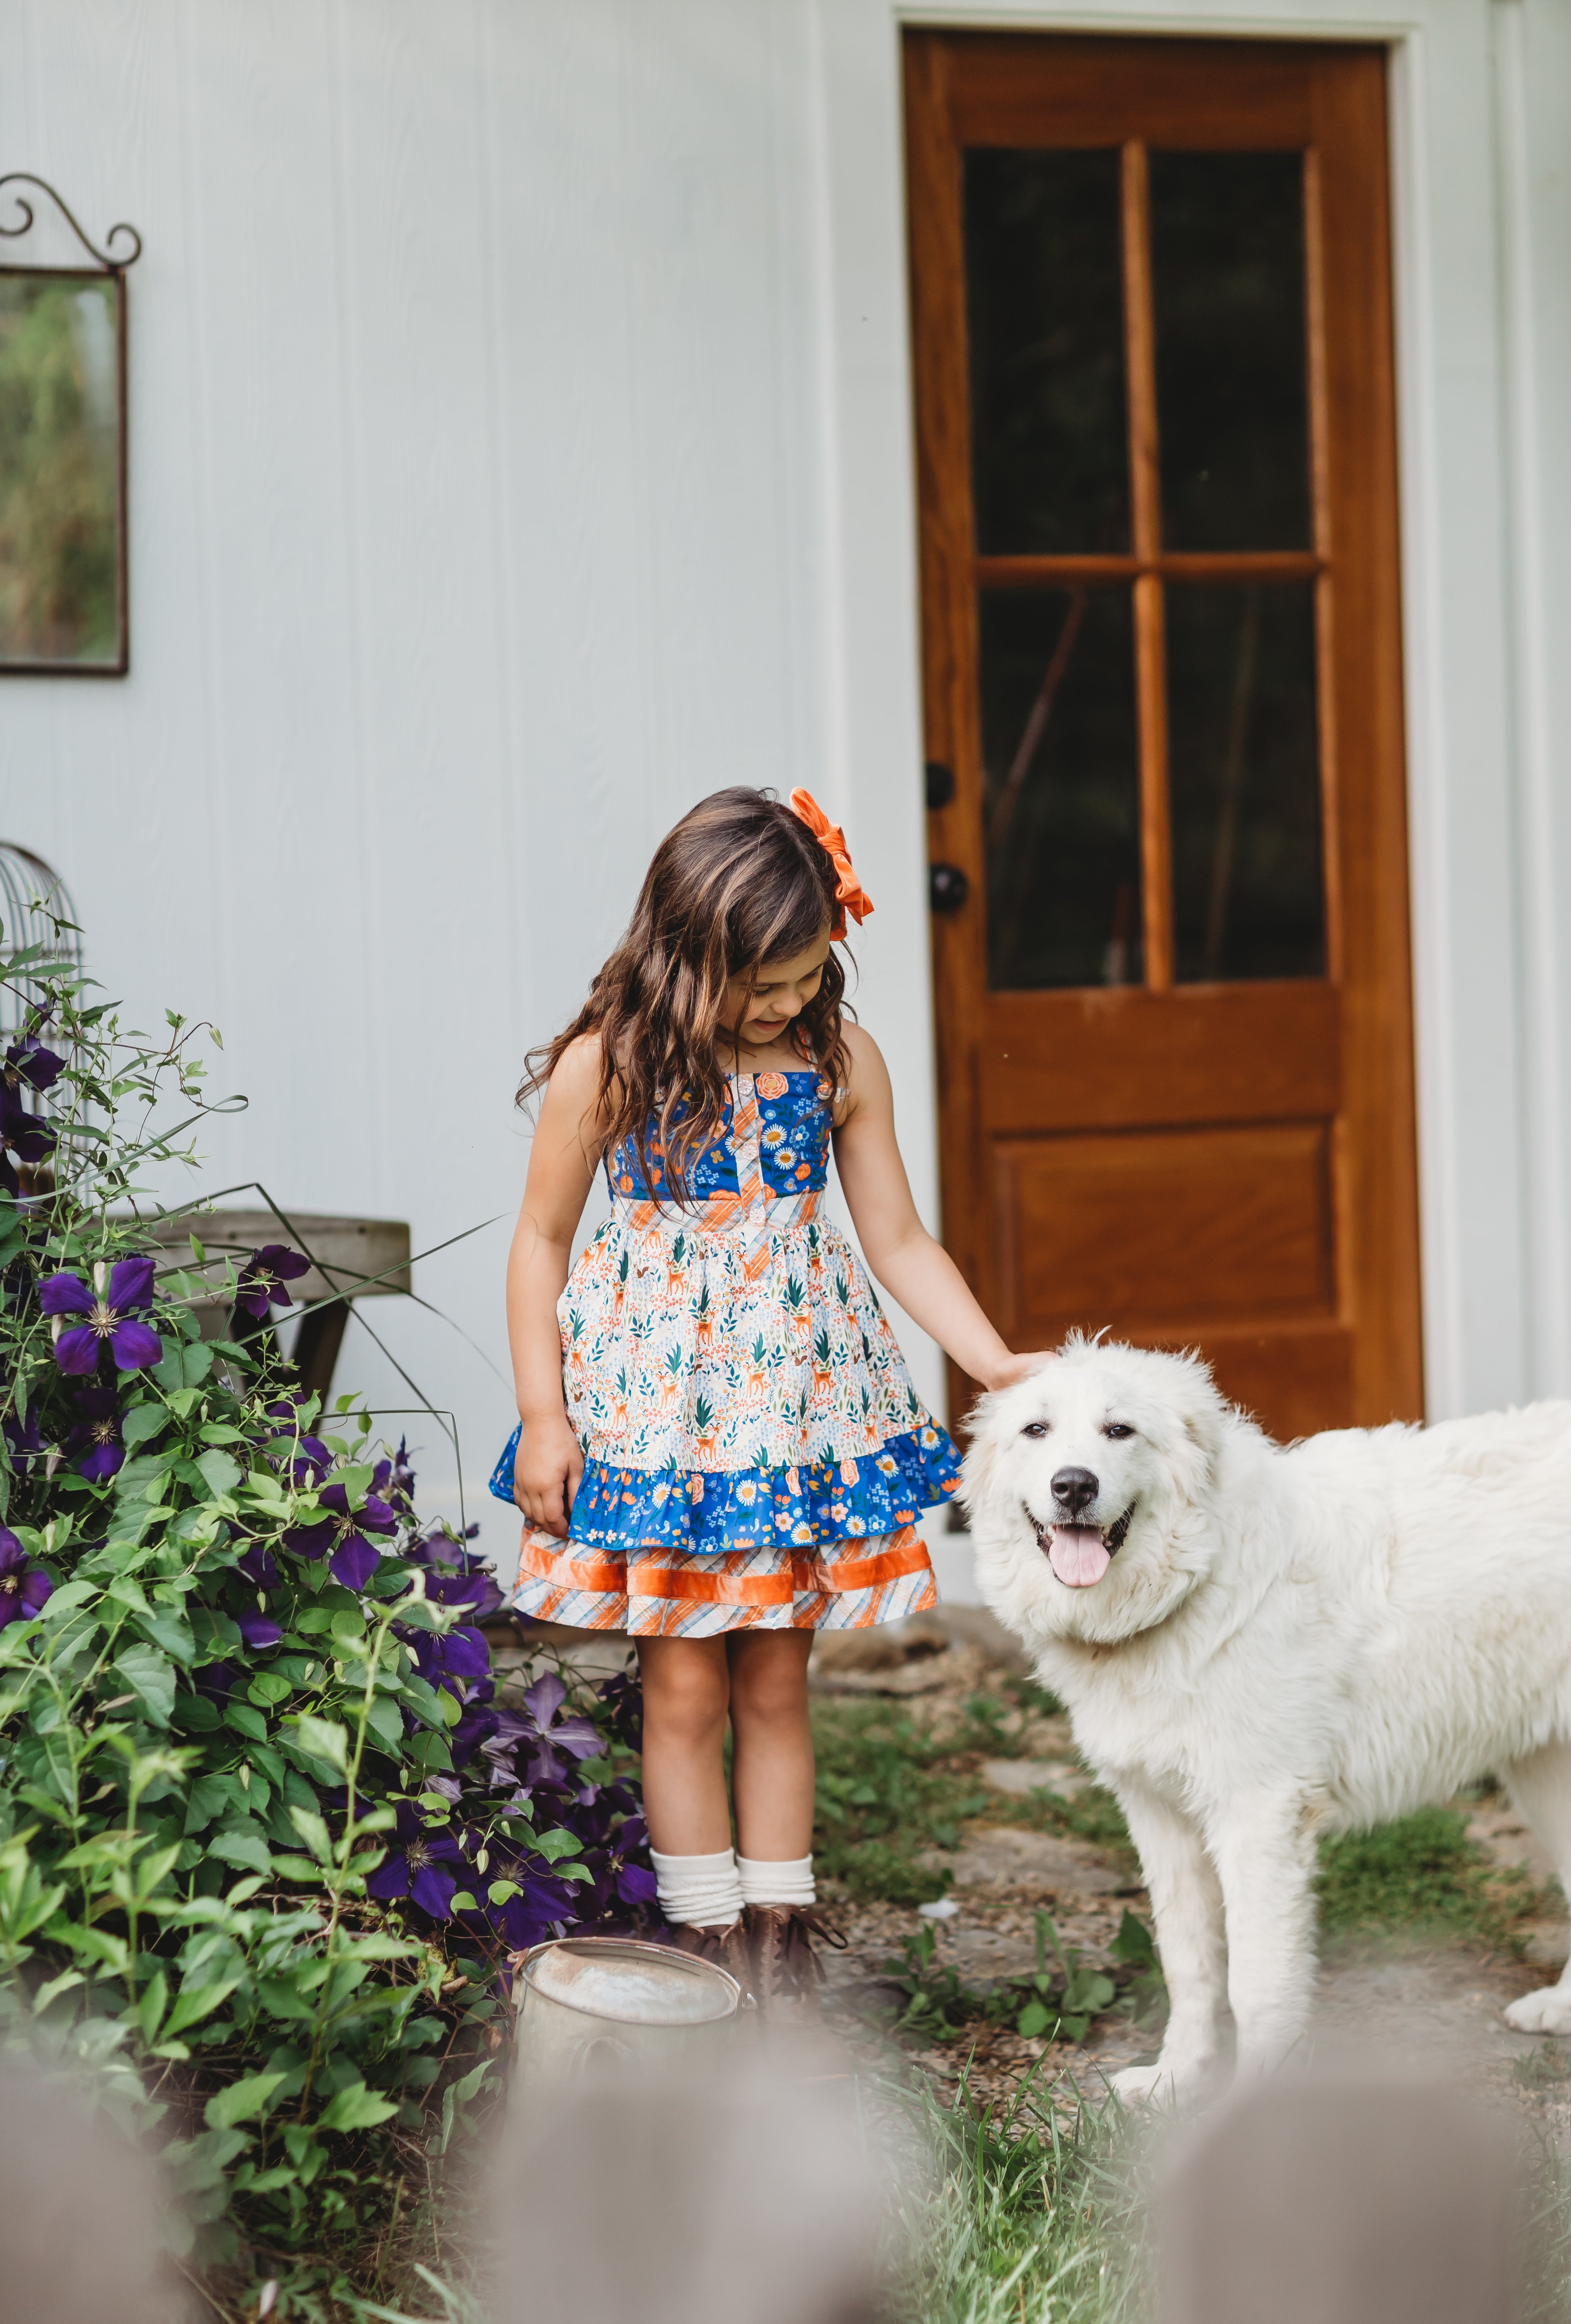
[520, 450]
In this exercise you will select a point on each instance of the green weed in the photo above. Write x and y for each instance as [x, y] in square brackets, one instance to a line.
[1421, 1872]
[885, 1794]
[1036, 2215]
[1059, 1999]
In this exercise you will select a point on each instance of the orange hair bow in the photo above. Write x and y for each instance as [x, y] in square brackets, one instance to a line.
[849, 892]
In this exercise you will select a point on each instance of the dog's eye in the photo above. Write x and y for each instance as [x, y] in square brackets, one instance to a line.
[1035, 1428]
[1117, 1428]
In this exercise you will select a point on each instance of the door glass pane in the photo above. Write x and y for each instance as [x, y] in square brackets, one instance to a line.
[1243, 778]
[1227, 262]
[1045, 312]
[1060, 787]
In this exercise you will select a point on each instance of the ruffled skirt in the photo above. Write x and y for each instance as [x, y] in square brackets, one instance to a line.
[675, 1593]
[755, 1453]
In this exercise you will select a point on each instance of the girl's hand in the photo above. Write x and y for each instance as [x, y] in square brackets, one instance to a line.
[546, 1470]
[1010, 1369]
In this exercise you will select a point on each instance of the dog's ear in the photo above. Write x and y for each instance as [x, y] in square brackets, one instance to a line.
[980, 1457]
[1203, 1420]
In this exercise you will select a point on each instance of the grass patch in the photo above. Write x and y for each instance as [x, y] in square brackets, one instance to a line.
[1420, 1873]
[1036, 2215]
[890, 1788]
[887, 1790]
[1092, 1814]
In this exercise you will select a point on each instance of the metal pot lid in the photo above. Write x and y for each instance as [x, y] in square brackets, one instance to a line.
[631, 1983]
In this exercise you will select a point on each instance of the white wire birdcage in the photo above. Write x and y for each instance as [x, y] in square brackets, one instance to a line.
[36, 915]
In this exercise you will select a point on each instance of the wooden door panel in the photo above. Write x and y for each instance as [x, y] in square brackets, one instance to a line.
[1065, 91]
[1112, 1058]
[1226, 1165]
[1191, 1228]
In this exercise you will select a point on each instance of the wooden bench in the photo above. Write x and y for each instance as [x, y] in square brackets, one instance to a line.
[352, 1259]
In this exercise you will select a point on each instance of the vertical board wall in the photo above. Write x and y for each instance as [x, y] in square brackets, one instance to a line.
[521, 448]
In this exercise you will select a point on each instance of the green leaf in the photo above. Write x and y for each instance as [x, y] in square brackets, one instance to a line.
[242, 2101]
[221, 1472]
[282, 1999]
[457, 2094]
[324, 1739]
[195, 2002]
[313, 1832]
[356, 2109]
[169, 1632]
[141, 1422]
[296, 1867]
[381, 1718]
[554, 1844]
[268, 1688]
[245, 1844]
[246, 1722]
[1135, 1943]
[149, 1675]
[1033, 2019]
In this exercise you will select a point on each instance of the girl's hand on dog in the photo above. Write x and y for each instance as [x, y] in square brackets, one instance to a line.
[1010, 1369]
[546, 1472]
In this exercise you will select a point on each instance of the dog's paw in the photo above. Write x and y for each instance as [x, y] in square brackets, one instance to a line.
[1546, 2011]
[1145, 2085]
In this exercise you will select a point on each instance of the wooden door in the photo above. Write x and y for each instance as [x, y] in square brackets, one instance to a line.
[1151, 314]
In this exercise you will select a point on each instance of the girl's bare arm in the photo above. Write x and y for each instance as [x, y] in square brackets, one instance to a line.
[912, 1268]
[562, 1164]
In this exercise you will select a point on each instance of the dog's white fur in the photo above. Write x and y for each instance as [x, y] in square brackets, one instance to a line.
[1286, 1642]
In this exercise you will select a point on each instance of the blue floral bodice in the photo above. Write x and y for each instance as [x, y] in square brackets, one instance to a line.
[796, 1117]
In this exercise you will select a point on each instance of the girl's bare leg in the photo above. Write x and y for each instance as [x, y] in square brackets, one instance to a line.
[687, 1691]
[771, 1764]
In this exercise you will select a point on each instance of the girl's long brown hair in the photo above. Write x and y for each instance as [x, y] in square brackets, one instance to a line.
[739, 882]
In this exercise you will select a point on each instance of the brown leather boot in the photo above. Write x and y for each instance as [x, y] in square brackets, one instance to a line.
[727, 1948]
[786, 1972]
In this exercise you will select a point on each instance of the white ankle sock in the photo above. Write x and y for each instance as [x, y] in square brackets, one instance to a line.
[790, 1882]
[701, 1890]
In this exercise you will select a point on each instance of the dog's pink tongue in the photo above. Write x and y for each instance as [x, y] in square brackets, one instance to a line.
[1078, 1556]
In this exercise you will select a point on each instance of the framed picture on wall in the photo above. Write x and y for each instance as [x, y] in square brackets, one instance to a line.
[63, 608]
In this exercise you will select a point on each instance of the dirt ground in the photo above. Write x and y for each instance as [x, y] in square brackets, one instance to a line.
[1437, 2005]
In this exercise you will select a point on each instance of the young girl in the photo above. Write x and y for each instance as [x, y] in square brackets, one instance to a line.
[720, 1449]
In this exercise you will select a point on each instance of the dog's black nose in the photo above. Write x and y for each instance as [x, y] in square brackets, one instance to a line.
[1074, 1487]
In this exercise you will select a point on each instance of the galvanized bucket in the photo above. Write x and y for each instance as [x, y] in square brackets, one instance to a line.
[586, 2003]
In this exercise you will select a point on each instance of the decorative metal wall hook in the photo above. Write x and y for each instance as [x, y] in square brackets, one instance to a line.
[105, 257]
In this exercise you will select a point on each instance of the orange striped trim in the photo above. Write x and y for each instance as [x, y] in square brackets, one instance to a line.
[683, 1581]
[906, 1554]
[590, 1572]
[713, 1578]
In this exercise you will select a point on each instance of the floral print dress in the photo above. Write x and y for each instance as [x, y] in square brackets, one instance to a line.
[756, 1455]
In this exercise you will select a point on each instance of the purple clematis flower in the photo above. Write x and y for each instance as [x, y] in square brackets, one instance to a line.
[259, 1565]
[111, 1310]
[25, 1135]
[417, 1867]
[23, 1588]
[475, 1592]
[29, 1061]
[99, 1432]
[24, 1438]
[478, 1723]
[461, 1654]
[258, 1630]
[344, 1532]
[216, 1679]
[265, 1277]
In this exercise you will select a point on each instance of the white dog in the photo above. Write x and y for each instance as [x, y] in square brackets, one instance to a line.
[1259, 1644]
